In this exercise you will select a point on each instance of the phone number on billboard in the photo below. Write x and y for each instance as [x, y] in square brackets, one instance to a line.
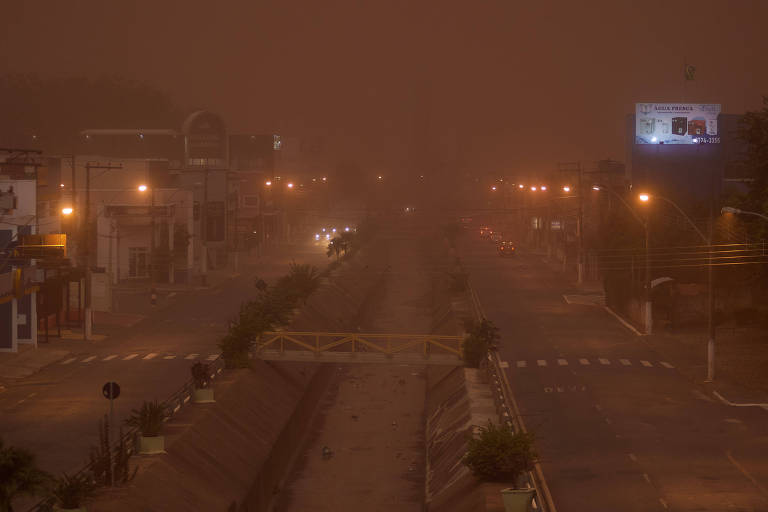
[707, 140]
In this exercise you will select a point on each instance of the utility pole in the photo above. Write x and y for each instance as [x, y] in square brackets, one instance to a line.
[204, 232]
[576, 167]
[88, 317]
[710, 285]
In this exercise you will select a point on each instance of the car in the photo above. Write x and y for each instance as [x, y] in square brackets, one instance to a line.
[506, 249]
[485, 233]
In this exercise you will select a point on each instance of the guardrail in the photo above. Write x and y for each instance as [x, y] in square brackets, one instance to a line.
[509, 413]
[173, 403]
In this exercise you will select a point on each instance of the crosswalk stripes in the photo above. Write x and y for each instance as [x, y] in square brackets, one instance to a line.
[212, 357]
[109, 358]
[169, 357]
[149, 356]
[88, 359]
[69, 360]
[128, 358]
[192, 356]
[542, 363]
[84, 358]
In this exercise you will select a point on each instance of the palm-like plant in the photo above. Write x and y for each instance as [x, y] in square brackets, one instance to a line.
[148, 418]
[334, 247]
[19, 475]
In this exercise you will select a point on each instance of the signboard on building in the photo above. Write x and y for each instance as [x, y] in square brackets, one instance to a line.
[205, 141]
[676, 123]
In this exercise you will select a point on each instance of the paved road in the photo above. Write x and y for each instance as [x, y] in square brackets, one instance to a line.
[619, 428]
[55, 412]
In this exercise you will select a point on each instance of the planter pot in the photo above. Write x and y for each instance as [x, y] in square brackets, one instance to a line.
[517, 500]
[202, 396]
[151, 445]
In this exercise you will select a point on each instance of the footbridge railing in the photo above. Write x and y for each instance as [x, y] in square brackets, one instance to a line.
[360, 348]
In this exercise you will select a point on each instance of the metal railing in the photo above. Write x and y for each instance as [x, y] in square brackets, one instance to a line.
[385, 344]
[508, 411]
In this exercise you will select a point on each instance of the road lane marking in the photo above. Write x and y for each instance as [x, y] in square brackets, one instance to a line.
[109, 358]
[584, 362]
[169, 357]
[88, 359]
[192, 356]
[503, 364]
[68, 360]
[547, 390]
[562, 362]
[647, 478]
[746, 474]
[541, 362]
[646, 363]
[633, 457]
[522, 364]
[625, 362]
[212, 357]
[151, 355]
[604, 361]
[666, 364]
[128, 358]
[663, 503]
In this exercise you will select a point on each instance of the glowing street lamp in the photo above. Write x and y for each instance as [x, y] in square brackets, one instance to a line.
[67, 210]
[142, 188]
[290, 185]
[644, 197]
[493, 188]
[268, 183]
[521, 186]
[566, 188]
[543, 188]
[533, 189]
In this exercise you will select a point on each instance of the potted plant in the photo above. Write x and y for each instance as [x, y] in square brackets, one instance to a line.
[202, 392]
[499, 454]
[149, 420]
[70, 492]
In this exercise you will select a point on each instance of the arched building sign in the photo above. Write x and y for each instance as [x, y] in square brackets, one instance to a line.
[205, 141]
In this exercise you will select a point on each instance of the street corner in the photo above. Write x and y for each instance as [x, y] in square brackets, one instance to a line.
[15, 366]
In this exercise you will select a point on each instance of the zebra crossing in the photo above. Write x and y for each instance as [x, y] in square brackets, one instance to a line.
[142, 357]
[599, 361]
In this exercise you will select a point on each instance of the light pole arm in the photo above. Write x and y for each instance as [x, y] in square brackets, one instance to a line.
[729, 209]
[625, 203]
[693, 225]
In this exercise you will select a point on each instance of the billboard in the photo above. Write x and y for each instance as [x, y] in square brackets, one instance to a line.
[676, 123]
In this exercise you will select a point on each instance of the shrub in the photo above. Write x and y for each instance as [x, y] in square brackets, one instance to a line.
[19, 475]
[481, 336]
[500, 454]
[148, 418]
[70, 491]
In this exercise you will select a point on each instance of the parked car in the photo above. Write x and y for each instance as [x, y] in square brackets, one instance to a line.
[506, 249]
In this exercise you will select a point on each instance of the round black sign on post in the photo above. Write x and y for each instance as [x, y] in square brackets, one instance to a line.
[111, 390]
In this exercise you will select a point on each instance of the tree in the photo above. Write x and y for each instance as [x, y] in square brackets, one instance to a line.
[334, 247]
[753, 131]
[19, 475]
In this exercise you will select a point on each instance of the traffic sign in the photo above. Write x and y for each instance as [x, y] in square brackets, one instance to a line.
[111, 390]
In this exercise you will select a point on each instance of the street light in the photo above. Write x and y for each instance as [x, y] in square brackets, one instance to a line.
[521, 186]
[142, 188]
[533, 189]
[730, 209]
[67, 210]
[268, 183]
[543, 188]
[644, 197]
[290, 185]
[493, 188]
[566, 188]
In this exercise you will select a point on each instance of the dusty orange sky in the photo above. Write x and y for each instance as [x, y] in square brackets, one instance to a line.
[503, 85]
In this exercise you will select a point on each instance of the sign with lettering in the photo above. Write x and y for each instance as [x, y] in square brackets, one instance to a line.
[676, 123]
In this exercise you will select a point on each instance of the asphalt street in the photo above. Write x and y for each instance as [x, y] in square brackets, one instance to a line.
[618, 427]
[55, 412]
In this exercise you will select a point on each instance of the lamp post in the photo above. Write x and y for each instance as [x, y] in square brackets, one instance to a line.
[730, 209]
[152, 243]
[710, 285]
[645, 223]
